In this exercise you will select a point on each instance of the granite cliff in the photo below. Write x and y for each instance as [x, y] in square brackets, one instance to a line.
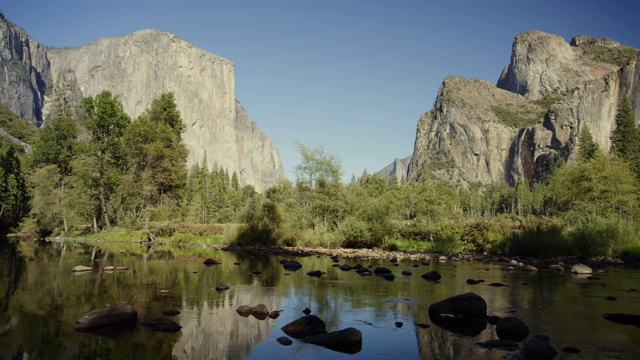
[24, 69]
[138, 68]
[480, 132]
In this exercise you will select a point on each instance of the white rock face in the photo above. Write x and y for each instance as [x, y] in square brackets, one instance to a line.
[141, 66]
[462, 139]
[543, 63]
[550, 88]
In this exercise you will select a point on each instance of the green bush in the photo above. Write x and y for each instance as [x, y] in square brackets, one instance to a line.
[603, 236]
[540, 240]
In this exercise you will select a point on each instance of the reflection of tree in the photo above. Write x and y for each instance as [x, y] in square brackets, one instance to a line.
[11, 269]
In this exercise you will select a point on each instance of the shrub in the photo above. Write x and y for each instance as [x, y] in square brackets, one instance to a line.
[540, 240]
[603, 236]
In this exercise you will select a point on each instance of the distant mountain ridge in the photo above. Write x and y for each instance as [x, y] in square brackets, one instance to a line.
[478, 132]
[138, 68]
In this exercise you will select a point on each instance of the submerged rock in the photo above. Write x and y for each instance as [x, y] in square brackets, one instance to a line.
[315, 273]
[538, 348]
[162, 324]
[118, 313]
[222, 287]
[469, 304]
[283, 340]
[625, 319]
[347, 340]
[210, 262]
[432, 275]
[171, 312]
[512, 328]
[304, 326]
[81, 268]
[509, 345]
[291, 265]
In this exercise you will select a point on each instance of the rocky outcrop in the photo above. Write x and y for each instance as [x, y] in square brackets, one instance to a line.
[478, 132]
[396, 171]
[24, 70]
[470, 134]
[139, 68]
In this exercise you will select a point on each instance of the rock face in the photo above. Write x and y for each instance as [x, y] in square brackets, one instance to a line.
[478, 132]
[24, 70]
[139, 68]
[397, 170]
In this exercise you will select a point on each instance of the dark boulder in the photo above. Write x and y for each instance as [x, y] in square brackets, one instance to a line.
[291, 265]
[171, 312]
[512, 328]
[620, 318]
[468, 305]
[244, 310]
[283, 340]
[306, 311]
[538, 348]
[497, 284]
[492, 319]
[303, 326]
[162, 324]
[388, 277]
[571, 350]
[357, 266]
[345, 267]
[406, 273]
[432, 276]
[363, 270]
[380, 270]
[315, 273]
[210, 262]
[222, 287]
[347, 340]
[114, 314]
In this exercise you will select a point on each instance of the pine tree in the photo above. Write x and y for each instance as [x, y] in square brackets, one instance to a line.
[587, 148]
[625, 139]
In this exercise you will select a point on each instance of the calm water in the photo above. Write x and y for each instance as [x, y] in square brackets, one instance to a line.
[40, 298]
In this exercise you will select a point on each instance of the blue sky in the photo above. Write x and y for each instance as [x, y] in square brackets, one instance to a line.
[350, 75]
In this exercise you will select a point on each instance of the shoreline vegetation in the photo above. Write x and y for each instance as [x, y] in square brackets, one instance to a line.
[95, 173]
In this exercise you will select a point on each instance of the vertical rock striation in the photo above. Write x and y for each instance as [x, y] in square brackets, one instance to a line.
[24, 70]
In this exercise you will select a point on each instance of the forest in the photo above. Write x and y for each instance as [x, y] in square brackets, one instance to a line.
[92, 171]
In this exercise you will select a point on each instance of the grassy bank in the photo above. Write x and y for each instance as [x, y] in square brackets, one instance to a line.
[509, 235]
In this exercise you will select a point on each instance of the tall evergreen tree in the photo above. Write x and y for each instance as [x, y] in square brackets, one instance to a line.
[587, 148]
[625, 139]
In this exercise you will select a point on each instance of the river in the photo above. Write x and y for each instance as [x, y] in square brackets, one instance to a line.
[41, 299]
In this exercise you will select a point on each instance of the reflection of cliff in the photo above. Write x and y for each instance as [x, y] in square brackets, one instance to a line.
[216, 331]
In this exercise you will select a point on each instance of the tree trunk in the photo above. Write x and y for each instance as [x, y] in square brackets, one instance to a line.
[103, 206]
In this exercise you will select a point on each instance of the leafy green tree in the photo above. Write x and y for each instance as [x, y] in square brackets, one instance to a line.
[56, 145]
[105, 120]
[316, 163]
[602, 186]
[13, 190]
[156, 161]
[587, 147]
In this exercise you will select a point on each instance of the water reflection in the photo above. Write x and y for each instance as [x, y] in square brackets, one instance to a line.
[42, 298]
